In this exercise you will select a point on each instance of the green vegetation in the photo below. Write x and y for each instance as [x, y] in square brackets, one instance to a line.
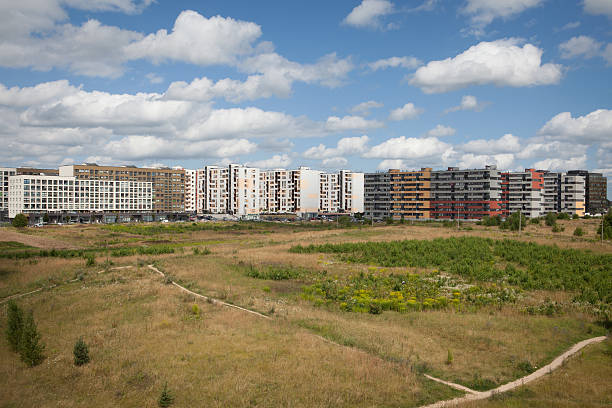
[491, 221]
[89, 253]
[271, 272]
[166, 398]
[81, 353]
[12, 245]
[30, 347]
[578, 232]
[526, 265]
[14, 326]
[607, 227]
[20, 221]
[550, 219]
[513, 222]
[402, 293]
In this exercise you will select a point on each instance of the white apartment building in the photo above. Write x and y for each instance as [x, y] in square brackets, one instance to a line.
[351, 191]
[200, 187]
[526, 193]
[306, 190]
[572, 194]
[276, 191]
[215, 190]
[5, 173]
[329, 187]
[192, 203]
[244, 196]
[550, 194]
[40, 194]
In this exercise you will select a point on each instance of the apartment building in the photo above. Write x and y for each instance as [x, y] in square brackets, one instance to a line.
[377, 195]
[351, 191]
[276, 191]
[329, 197]
[410, 193]
[168, 184]
[596, 191]
[306, 192]
[215, 190]
[524, 192]
[192, 203]
[31, 194]
[572, 194]
[5, 173]
[466, 194]
[243, 190]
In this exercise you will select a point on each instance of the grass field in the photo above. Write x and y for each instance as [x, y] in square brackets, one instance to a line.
[357, 315]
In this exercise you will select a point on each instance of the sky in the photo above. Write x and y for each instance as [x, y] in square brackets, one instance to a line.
[365, 85]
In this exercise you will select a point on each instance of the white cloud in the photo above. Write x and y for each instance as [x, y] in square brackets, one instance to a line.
[410, 148]
[408, 111]
[551, 148]
[364, 107]
[607, 54]
[581, 46]
[277, 161]
[571, 25]
[508, 143]
[348, 123]
[334, 163]
[483, 12]
[561, 164]
[154, 78]
[369, 13]
[35, 95]
[471, 161]
[345, 147]
[392, 164]
[441, 131]
[593, 127]
[468, 103]
[394, 62]
[598, 7]
[198, 40]
[501, 62]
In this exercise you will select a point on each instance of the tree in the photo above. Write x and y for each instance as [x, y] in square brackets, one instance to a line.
[551, 219]
[46, 217]
[30, 347]
[14, 325]
[81, 352]
[607, 227]
[165, 399]
[512, 222]
[20, 221]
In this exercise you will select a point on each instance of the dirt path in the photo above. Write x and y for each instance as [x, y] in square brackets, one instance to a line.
[33, 240]
[207, 298]
[476, 395]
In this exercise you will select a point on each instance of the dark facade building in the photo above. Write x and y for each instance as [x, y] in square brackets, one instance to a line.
[596, 191]
[377, 190]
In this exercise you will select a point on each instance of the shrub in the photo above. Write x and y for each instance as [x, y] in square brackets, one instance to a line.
[46, 217]
[535, 221]
[14, 325]
[389, 221]
[449, 357]
[557, 228]
[491, 221]
[30, 347]
[550, 219]
[20, 221]
[166, 398]
[563, 216]
[91, 260]
[81, 353]
[344, 220]
[575, 216]
[195, 311]
[607, 227]
[578, 232]
[512, 222]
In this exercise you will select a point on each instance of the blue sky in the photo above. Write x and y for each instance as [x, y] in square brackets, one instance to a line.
[364, 84]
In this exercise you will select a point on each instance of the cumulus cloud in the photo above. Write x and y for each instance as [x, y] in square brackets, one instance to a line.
[578, 162]
[591, 128]
[501, 63]
[395, 62]
[334, 163]
[198, 40]
[441, 131]
[468, 103]
[581, 46]
[345, 147]
[392, 164]
[408, 111]
[410, 148]
[348, 123]
[603, 7]
[154, 78]
[364, 107]
[551, 148]
[472, 161]
[369, 13]
[508, 143]
[277, 161]
[483, 12]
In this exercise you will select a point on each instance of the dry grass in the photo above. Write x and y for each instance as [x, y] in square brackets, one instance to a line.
[142, 333]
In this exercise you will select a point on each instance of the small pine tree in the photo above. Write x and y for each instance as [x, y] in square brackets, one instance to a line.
[14, 326]
[81, 353]
[20, 221]
[30, 346]
[165, 399]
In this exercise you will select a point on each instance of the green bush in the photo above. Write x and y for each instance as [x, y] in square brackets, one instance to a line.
[550, 219]
[578, 232]
[20, 221]
[166, 398]
[389, 221]
[491, 221]
[557, 228]
[575, 216]
[30, 347]
[14, 326]
[535, 221]
[91, 260]
[607, 227]
[563, 216]
[81, 353]
[271, 272]
[512, 222]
